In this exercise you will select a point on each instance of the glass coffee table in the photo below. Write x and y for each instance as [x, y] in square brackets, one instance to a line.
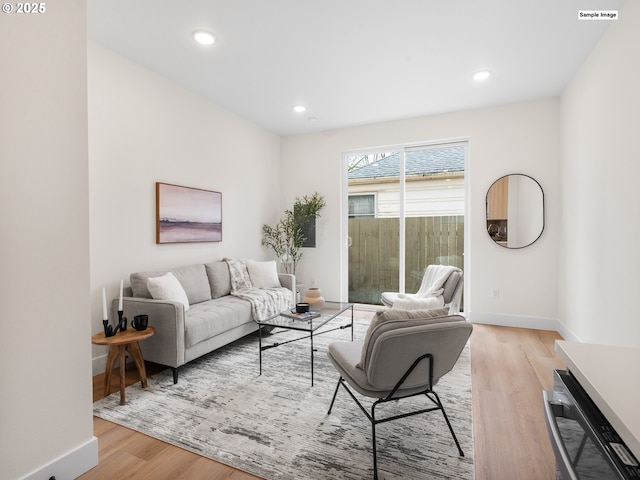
[311, 327]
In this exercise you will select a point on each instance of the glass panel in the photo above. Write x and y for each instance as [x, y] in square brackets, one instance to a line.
[374, 250]
[434, 210]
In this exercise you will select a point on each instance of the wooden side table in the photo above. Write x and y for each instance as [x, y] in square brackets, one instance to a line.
[119, 345]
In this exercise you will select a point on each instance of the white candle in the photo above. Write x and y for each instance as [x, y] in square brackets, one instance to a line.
[104, 305]
[120, 302]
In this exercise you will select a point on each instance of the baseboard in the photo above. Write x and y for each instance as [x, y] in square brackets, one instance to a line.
[518, 321]
[71, 465]
[98, 364]
[567, 334]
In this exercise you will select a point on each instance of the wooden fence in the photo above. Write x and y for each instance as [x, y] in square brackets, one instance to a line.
[374, 257]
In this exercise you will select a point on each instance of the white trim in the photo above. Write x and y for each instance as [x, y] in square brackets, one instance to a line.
[344, 230]
[521, 321]
[466, 261]
[567, 334]
[99, 364]
[402, 261]
[71, 465]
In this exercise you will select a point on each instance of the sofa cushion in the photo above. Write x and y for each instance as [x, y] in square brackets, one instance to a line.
[208, 319]
[167, 287]
[195, 282]
[385, 320]
[263, 274]
[139, 283]
[219, 278]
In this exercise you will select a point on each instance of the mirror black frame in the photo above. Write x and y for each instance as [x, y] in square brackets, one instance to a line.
[494, 225]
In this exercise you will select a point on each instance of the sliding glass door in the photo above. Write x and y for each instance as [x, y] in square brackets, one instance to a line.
[405, 211]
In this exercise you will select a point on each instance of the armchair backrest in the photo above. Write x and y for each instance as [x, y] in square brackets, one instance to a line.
[452, 293]
[395, 345]
[452, 285]
[445, 279]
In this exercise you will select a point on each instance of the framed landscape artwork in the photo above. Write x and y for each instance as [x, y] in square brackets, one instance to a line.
[185, 214]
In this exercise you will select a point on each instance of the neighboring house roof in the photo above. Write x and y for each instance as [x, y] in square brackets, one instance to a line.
[429, 161]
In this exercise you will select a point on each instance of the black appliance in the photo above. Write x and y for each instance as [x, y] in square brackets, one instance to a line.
[585, 444]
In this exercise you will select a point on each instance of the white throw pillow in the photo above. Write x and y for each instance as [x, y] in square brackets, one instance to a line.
[263, 274]
[167, 287]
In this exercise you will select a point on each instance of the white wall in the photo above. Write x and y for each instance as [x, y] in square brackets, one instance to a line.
[143, 129]
[46, 423]
[599, 259]
[520, 138]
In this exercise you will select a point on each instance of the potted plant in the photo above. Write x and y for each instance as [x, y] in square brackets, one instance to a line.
[287, 237]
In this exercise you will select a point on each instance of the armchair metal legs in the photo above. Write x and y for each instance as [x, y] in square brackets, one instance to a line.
[430, 394]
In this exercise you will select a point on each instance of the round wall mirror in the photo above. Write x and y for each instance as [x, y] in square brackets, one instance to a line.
[515, 211]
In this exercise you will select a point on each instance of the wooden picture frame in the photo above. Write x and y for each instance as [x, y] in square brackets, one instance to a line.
[186, 214]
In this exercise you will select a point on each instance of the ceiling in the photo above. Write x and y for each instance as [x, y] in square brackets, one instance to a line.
[353, 62]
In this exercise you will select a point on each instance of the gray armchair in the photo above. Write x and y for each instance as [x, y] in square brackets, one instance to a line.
[441, 286]
[404, 354]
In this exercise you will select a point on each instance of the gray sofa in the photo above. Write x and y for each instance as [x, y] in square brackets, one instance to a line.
[212, 319]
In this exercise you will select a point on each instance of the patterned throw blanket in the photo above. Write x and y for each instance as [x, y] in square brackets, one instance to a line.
[265, 302]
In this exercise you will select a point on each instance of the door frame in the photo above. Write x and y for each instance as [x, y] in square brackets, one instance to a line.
[344, 202]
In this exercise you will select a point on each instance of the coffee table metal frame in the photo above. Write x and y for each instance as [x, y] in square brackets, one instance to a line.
[328, 312]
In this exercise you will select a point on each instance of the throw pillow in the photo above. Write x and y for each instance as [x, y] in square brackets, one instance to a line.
[193, 279]
[167, 287]
[219, 278]
[240, 280]
[263, 274]
[402, 317]
[139, 283]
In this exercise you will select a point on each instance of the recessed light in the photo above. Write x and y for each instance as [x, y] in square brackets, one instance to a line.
[299, 108]
[313, 119]
[481, 75]
[203, 38]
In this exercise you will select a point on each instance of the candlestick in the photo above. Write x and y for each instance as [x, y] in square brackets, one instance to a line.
[104, 306]
[120, 302]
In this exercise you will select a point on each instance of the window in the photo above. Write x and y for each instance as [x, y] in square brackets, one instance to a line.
[362, 205]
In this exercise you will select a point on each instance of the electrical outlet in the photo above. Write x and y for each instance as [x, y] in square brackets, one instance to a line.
[496, 293]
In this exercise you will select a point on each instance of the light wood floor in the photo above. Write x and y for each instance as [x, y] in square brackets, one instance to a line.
[510, 367]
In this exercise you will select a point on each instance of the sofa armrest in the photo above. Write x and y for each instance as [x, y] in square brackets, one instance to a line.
[166, 347]
[288, 280]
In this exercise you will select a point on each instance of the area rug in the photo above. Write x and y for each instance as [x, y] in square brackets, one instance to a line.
[276, 425]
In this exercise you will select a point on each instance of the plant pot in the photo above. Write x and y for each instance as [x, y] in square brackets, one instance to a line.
[314, 298]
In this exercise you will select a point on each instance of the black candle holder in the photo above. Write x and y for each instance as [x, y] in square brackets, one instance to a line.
[110, 331]
[122, 321]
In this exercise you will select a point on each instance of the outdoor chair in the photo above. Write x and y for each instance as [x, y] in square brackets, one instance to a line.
[441, 286]
[403, 355]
